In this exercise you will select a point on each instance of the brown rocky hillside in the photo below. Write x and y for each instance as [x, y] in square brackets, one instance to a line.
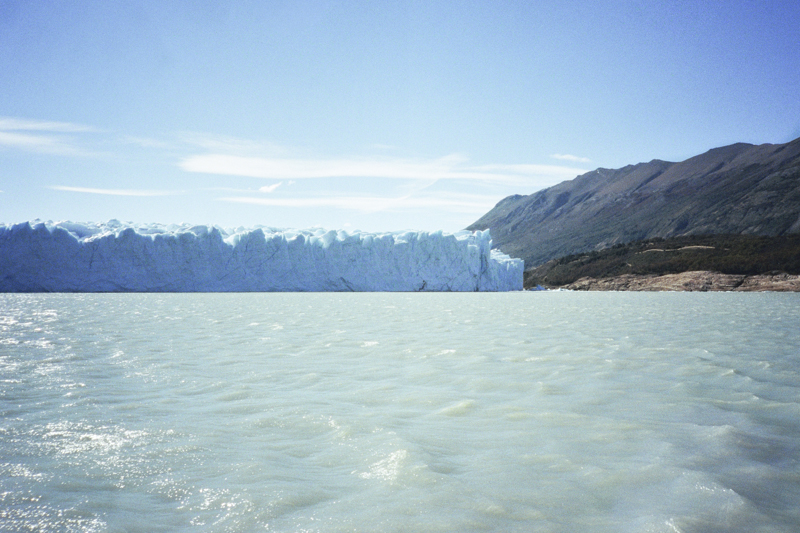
[737, 189]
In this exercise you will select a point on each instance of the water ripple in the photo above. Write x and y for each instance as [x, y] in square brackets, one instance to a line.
[547, 412]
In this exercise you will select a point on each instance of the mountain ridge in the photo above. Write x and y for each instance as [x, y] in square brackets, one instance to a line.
[736, 189]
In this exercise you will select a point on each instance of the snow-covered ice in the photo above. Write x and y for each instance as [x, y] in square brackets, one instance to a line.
[120, 257]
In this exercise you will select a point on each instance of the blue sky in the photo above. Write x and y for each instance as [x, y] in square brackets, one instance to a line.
[369, 115]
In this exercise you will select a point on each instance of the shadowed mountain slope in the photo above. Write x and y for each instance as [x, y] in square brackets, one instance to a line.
[736, 189]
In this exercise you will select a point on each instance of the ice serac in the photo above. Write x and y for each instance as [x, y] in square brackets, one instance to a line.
[123, 257]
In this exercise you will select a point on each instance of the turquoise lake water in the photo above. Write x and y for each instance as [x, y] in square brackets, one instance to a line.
[440, 412]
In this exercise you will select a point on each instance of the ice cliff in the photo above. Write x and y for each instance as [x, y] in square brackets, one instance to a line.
[123, 257]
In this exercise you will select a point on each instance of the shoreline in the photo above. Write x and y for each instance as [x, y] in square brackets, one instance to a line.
[693, 281]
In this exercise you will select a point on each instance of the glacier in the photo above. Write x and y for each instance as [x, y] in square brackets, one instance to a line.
[125, 257]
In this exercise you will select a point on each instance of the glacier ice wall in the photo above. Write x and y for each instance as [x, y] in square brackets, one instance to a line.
[123, 257]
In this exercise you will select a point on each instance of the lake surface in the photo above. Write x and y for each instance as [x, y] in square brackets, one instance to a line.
[440, 412]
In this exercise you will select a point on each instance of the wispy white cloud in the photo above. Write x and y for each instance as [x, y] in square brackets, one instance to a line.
[44, 144]
[572, 158]
[21, 124]
[373, 204]
[536, 171]
[148, 143]
[41, 136]
[113, 192]
[449, 167]
[232, 145]
[270, 188]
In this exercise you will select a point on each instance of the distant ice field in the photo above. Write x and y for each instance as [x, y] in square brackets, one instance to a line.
[432, 412]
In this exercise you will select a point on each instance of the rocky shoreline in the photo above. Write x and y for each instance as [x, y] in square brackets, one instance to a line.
[701, 281]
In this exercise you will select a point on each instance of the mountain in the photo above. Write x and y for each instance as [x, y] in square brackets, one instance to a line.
[736, 189]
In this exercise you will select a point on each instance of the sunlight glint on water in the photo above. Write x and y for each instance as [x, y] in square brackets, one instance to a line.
[397, 412]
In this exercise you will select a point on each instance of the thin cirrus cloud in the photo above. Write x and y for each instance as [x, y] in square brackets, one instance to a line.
[112, 192]
[372, 204]
[43, 144]
[571, 158]
[21, 124]
[230, 145]
[450, 167]
[40, 136]
[270, 188]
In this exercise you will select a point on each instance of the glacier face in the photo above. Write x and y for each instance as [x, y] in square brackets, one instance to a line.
[123, 257]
